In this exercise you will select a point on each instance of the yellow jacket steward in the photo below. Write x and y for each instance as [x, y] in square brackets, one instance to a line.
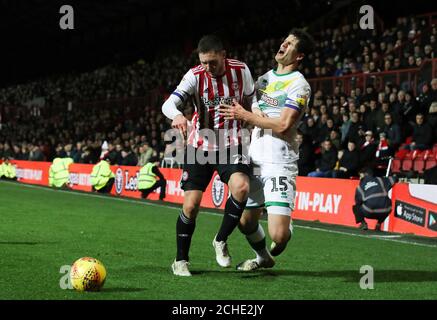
[58, 172]
[101, 174]
[7, 170]
[146, 178]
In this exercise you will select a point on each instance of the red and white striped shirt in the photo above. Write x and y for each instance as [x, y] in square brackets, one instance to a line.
[209, 92]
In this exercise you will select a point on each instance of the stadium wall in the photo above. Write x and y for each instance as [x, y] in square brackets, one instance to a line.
[318, 199]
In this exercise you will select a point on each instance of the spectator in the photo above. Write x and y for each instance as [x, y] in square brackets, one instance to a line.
[334, 136]
[24, 152]
[398, 107]
[60, 151]
[409, 109]
[310, 130]
[344, 128]
[336, 116]
[326, 163]
[422, 134]
[368, 150]
[375, 118]
[36, 154]
[145, 154]
[116, 155]
[129, 158]
[76, 153]
[383, 151]
[68, 150]
[392, 132]
[306, 155]
[433, 93]
[86, 156]
[356, 129]
[424, 99]
[349, 160]
[432, 119]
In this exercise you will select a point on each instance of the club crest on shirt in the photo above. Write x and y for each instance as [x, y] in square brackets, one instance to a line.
[217, 191]
[301, 100]
[119, 181]
[235, 86]
[263, 84]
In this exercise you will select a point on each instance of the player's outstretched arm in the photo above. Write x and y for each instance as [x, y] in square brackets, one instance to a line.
[279, 125]
[170, 110]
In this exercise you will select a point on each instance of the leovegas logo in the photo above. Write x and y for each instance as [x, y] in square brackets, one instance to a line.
[80, 179]
[318, 202]
[29, 174]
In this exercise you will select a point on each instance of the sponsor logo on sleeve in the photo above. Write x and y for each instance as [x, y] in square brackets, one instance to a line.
[301, 100]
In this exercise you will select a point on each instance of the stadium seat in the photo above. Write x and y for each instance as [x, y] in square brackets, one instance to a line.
[401, 153]
[419, 166]
[396, 165]
[407, 162]
[430, 163]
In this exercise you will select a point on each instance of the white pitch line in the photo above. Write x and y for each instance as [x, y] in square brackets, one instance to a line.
[93, 195]
[382, 236]
[369, 236]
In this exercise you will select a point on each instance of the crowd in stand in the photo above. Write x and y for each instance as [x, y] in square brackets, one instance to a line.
[133, 136]
[342, 133]
[339, 51]
[339, 133]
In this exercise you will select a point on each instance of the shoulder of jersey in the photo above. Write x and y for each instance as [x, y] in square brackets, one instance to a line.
[301, 79]
[236, 63]
[198, 69]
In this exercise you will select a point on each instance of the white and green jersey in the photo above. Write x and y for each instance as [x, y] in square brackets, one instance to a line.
[275, 92]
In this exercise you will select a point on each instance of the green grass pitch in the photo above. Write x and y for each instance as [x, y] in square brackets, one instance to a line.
[43, 229]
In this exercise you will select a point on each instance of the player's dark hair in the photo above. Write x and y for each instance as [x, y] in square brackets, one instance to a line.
[210, 43]
[306, 42]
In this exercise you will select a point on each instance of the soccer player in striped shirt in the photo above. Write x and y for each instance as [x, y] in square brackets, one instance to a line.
[212, 138]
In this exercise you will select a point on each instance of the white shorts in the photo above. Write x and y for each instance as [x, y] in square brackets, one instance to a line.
[273, 186]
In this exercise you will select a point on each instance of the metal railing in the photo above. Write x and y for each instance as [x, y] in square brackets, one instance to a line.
[406, 79]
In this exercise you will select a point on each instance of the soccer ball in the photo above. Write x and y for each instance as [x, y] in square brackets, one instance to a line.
[87, 274]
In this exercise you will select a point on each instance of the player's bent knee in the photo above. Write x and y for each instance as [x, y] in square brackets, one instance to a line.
[191, 210]
[239, 186]
[280, 236]
[240, 190]
[247, 227]
[249, 220]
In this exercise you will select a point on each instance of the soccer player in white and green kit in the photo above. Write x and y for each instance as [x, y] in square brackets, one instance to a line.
[283, 94]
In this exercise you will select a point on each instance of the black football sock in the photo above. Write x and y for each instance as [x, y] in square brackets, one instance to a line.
[233, 211]
[184, 231]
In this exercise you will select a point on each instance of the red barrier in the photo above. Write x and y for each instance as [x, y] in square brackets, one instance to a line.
[32, 172]
[126, 182]
[414, 209]
[317, 199]
[326, 200]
